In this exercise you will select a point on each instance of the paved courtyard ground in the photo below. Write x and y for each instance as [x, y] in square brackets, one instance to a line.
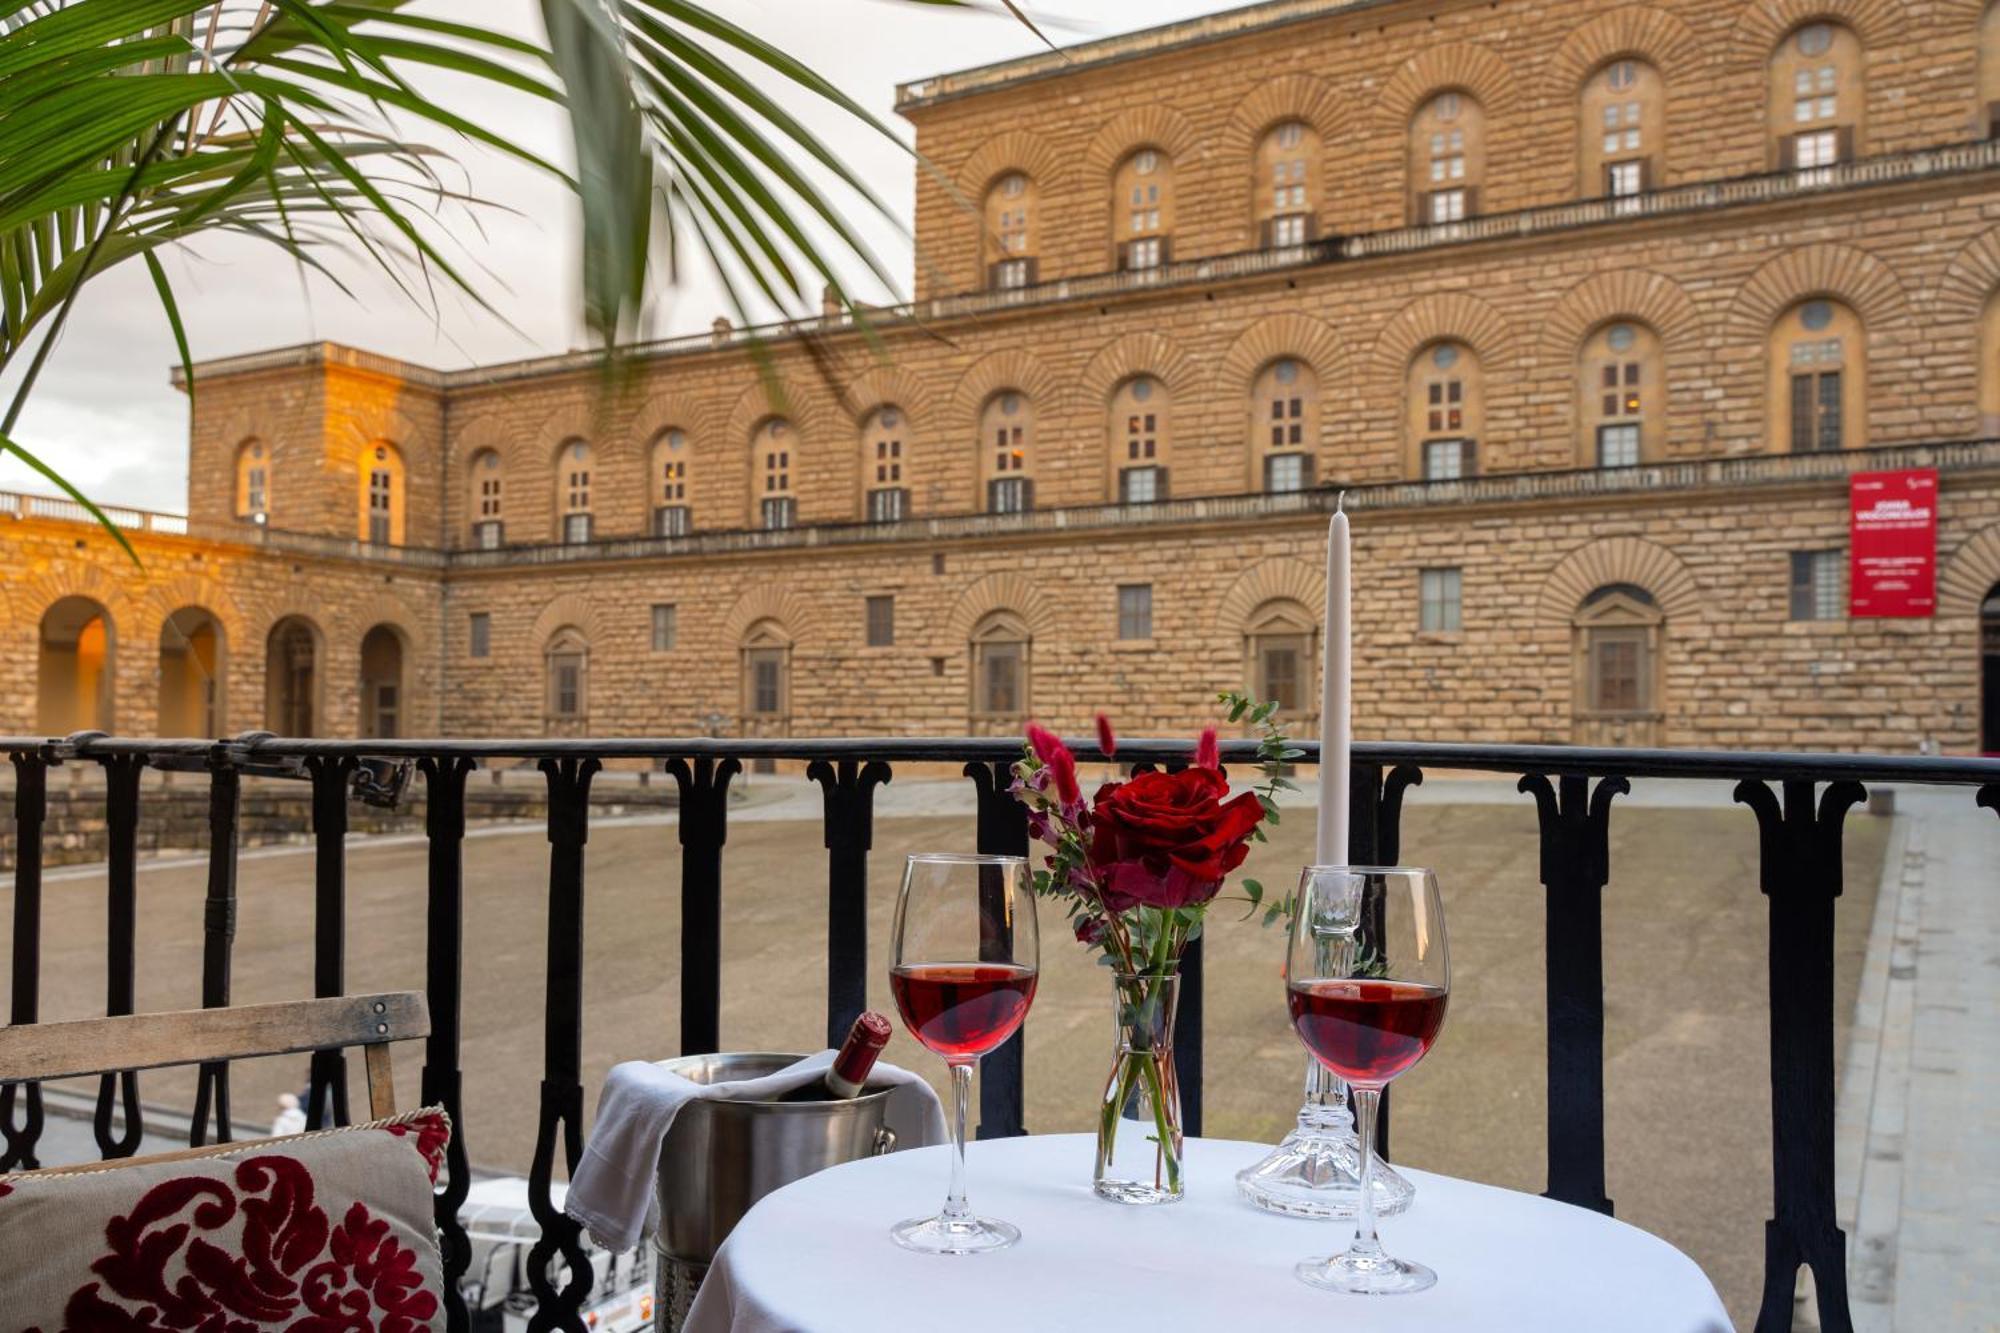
[1686, 1041]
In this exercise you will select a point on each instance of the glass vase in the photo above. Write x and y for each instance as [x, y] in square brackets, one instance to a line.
[1139, 1124]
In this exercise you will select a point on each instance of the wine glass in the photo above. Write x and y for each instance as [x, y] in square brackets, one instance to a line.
[962, 965]
[1367, 976]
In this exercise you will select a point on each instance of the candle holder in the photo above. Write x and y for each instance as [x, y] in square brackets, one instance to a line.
[1316, 1171]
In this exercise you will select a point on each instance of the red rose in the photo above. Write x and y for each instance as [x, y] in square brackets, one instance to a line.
[1169, 839]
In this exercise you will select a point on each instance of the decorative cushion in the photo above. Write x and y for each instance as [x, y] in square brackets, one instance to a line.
[329, 1232]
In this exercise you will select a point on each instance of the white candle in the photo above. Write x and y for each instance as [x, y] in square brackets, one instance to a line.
[1335, 723]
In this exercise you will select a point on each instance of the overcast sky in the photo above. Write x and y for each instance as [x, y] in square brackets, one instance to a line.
[104, 413]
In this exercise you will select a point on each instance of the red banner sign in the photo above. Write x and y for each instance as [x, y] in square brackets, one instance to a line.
[1892, 562]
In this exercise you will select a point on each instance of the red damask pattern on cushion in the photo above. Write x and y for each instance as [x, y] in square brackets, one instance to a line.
[319, 1233]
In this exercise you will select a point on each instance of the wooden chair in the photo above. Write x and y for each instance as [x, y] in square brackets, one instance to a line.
[83, 1048]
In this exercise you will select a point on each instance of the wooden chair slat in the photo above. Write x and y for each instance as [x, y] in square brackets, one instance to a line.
[381, 1081]
[31, 1052]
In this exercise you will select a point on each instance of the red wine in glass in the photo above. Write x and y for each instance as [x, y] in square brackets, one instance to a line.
[1367, 1032]
[962, 1010]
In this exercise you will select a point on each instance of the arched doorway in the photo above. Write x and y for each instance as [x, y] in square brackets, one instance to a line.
[191, 665]
[1989, 674]
[76, 667]
[1619, 636]
[291, 677]
[381, 683]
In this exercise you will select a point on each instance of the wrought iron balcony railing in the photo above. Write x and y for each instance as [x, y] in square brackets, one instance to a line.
[1799, 802]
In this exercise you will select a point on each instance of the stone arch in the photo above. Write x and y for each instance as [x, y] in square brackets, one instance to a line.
[1014, 150]
[766, 601]
[483, 432]
[567, 423]
[1761, 27]
[881, 385]
[1439, 69]
[33, 600]
[1646, 298]
[1840, 272]
[353, 426]
[1288, 97]
[1153, 125]
[1970, 573]
[1970, 280]
[1458, 316]
[385, 608]
[1005, 591]
[666, 409]
[1290, 334]
[1611, 560]
[1009, 369]
[1132, 355]
[1640, 31]
[1280, 578]
[252, 421]
[777, 397]
[185, 591]
[569, 608]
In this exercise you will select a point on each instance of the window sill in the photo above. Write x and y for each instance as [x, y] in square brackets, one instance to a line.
[1134, 645]
[1447, 638]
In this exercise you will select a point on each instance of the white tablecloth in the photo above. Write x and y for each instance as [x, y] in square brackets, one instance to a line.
[817, 1256]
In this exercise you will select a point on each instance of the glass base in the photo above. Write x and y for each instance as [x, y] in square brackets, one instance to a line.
[1317, 1173]
[1366, 1275]
[1135, 1191]
[958, 1235]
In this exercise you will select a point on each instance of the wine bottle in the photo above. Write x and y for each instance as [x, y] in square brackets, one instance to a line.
[848, 1073]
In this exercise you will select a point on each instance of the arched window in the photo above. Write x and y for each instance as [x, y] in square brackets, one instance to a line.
[1142, 210]
[253, 481]
[771, 447]
[767, 679]
[1989, 72]
[673, 511]
[1288, 185]
[1000, 674]
[1623, 129]
[573, 467]
[566, 672]
[1817, 97]
[1447, 159]
[382, 494]
[1619, 638]
[1818, 401]
[191, 674]
[1141, 436]
[77, 673]
[291, 677]
[882, 464]
[382, 683]
[1281, 659]
[1284, 426]
[1621, 396]
[1447, 412]
[484, 486]
[1006, 443]
[1010, 241]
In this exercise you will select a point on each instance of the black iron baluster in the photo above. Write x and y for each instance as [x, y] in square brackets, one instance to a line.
[444, 953]
[31, 808]
[1375, 838]
[225, 796]
[1576, 866]
[1003, 831]
[116, 1092]
[1989, 796]
[704, 828]
[1800, 868]
[326, 1100]
[562, 1052]
[849, 789]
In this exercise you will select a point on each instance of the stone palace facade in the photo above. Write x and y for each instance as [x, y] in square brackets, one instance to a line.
[1592, 308]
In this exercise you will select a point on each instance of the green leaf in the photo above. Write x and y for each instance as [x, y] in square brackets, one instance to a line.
[8, 445]
[173, 312]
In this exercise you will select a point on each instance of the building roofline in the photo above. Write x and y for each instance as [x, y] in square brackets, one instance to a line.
[1257, 17]
[300, 355]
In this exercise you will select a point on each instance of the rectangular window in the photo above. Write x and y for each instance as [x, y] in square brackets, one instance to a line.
[1437, 601]
[881, 621]
[998, 668]
[1135, 611]
[1446, 206]
[1010, 495]
[672, 521]
[666, 626]
[1142, 485]
[767, 681]
[778, 512]
[1446, 460]
[1819, 585]
[1013, 274]
[576, 528]
[1618, 446]
[1289, 230]
[1816, 148]
[1624, 179]
[488, 534]
[1816, 412]
[380, 493]
[1278, 663]
[1285, 472]
[1614, 673]
[479, 634]
[888, 505]
[253, 486]
[1146, 252]
[566, 685]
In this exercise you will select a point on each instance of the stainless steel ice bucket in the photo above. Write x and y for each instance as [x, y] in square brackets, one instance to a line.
[720, 1157]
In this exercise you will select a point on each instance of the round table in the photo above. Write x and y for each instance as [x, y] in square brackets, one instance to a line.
[816, 1255]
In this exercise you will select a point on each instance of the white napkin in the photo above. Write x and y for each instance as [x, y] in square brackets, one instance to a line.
[612, 1190]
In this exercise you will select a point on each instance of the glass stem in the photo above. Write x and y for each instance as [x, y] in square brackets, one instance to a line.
[1325, 1106]
[1366, 1244]
[961, 1099]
